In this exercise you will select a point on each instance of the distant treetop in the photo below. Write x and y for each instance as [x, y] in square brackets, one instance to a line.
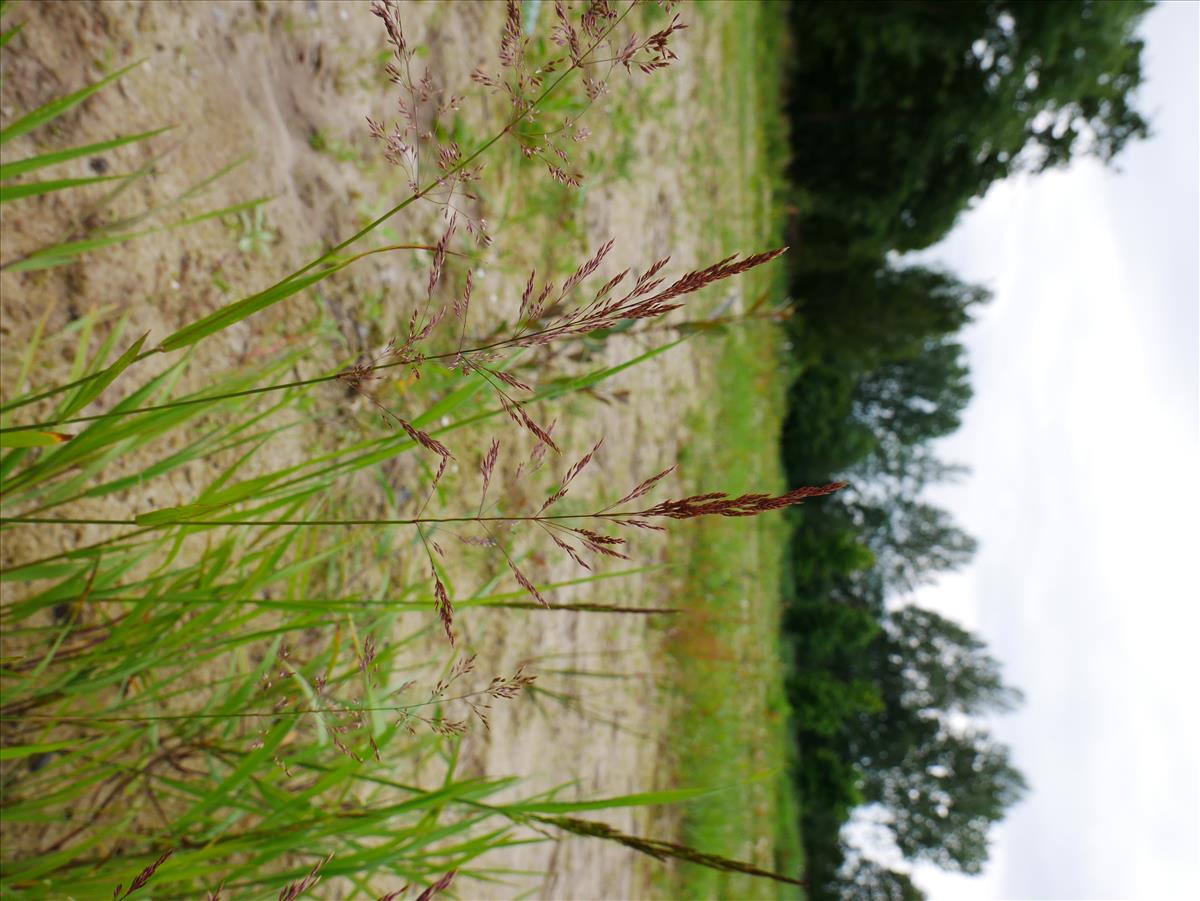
[904, 111]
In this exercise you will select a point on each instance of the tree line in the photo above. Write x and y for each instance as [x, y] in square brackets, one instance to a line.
[902, 112]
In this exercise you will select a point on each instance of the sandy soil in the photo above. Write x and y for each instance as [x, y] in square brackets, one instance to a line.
[265, 78]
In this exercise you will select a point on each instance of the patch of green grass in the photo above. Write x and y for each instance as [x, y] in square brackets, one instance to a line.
[342, 151]
[252, 232]
[732, 722]
[732, 726]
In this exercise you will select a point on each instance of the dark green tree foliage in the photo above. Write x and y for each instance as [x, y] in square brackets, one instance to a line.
[904, 111]
[889, 380]
[823, 559]
[902, 693]
[901, 470]
[829, 564]
[828, 786]
[879, 716]
[868, 699]
[819, 434]
[878, 313]
[841, 418]
[880, 424]
[829, 682]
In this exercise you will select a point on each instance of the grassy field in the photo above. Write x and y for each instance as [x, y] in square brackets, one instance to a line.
[207, 636]
[731, 722]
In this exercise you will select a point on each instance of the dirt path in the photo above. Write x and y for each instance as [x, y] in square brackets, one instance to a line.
[293, 82]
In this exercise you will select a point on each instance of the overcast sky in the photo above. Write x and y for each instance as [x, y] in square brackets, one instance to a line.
[1084, 440]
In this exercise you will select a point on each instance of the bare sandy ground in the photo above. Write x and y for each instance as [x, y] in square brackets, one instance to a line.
[265, 78]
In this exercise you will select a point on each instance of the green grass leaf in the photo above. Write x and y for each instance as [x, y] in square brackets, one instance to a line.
[19, 751]
[20, 167]
[37, 188]
[56, 108]
[89, 391]
[641, 799]
[10, 34]
[32, 438]
[68, 252]
[235, 312]
[241, 309]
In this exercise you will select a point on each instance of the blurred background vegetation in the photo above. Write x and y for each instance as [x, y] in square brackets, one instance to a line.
[900, 115]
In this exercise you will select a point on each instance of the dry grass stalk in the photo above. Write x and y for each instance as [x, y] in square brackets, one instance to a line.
[592, 47]
[143, 877]
[662, 850]
[578, 540]
[294, 890]
[438, 887]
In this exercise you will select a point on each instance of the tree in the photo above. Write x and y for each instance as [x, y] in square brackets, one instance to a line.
[819, 435]
[911, 108]
[826, 685]
[927, 668]
[912, 541]
[942, 784]
[943, 667]
[944, 794]
[916, 399]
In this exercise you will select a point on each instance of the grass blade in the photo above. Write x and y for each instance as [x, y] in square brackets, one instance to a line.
[20, 167]
[56, 108]
[37, 188]
[18, 751]
[63, 254]
[10, 34]
[235, 312]
[91, 390]
[32, 438]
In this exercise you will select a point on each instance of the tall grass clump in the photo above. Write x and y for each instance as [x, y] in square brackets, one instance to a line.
[201, 695]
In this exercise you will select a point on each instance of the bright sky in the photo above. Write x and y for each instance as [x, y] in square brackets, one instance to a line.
[1084, 440]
